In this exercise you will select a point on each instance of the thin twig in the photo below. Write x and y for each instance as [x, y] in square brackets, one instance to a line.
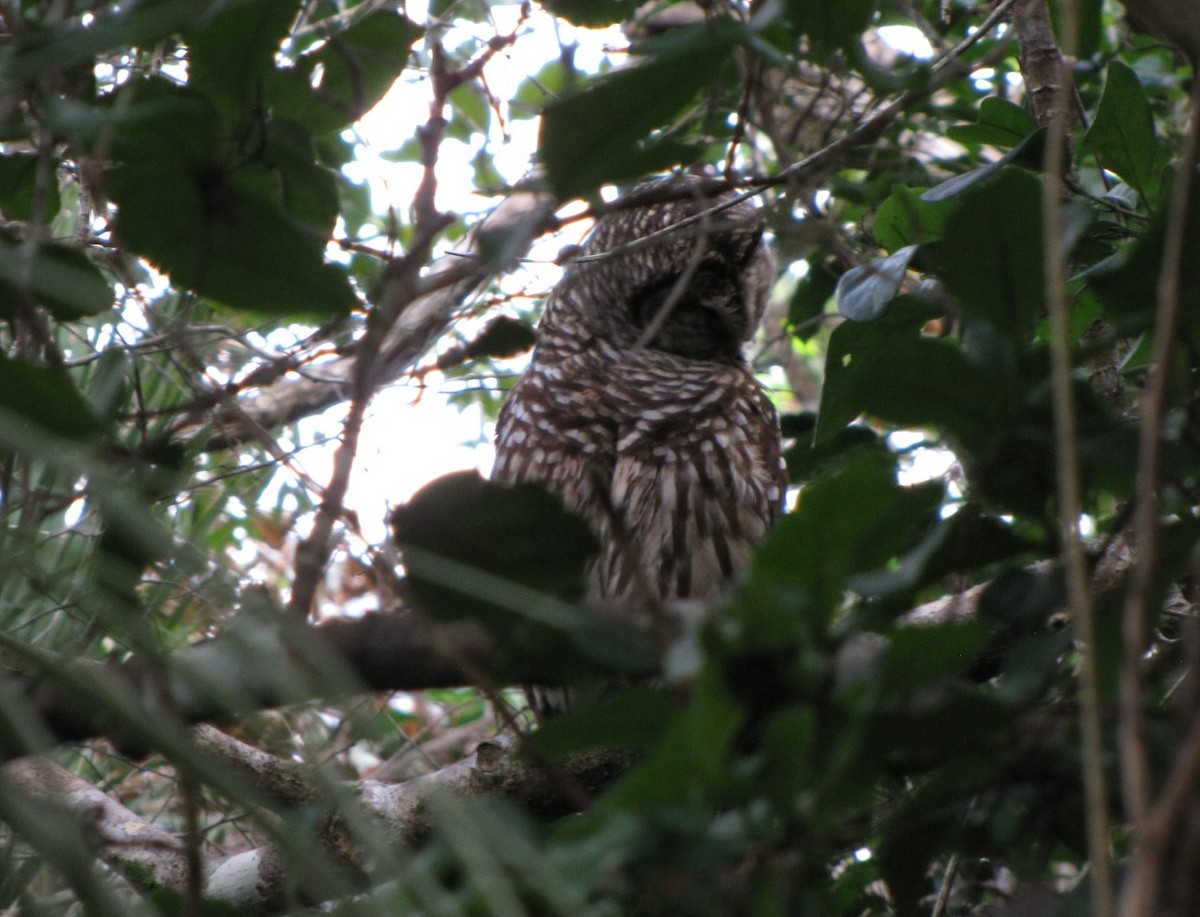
[1150, 850]
[943, 898]
[1079, 594]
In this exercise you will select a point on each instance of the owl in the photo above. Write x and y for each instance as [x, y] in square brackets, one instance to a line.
[639, 410]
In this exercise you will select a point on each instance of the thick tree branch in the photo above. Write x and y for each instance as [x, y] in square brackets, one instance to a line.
[257, 664]
[402, 814]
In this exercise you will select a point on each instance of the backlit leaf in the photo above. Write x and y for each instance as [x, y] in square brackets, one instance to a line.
[1122, 135]
[597, 134]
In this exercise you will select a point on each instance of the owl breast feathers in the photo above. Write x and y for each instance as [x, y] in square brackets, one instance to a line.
[638, 409]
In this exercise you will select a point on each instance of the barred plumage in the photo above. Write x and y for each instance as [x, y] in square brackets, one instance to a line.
[648, 421]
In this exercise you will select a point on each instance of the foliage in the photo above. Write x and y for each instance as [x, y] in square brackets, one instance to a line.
[189, 273]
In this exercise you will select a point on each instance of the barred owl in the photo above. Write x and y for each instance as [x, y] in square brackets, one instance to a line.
[638, 408]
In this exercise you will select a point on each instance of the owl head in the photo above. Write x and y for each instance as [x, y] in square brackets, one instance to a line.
[697, 291]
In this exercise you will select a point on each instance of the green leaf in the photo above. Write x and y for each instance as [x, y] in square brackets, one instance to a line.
[906, 218]
[593, 13]
[470, 112]
[219, 237]
[46, 400]
[535, 91]
[973, 540]
[633, 718]
[911, 382]
[1023, 597]
[1126, 282]
[18, 188]
[991, 255]
[61, 279]
[511, 558]
[521, 532]
[853, 521]
[917, 656]
[788, 743]
[830, 25]
[1122, 135]
[233, 51]
[307, 190]
[1000, 123]
[252, 238]
[154, 119]
[807, 460]
[596, 134]
[503, 337]
[354, 69]
[106, 386]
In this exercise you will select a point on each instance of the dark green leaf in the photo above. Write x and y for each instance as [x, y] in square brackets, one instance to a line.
[356, 67]
[991, 255]
[1091, 27]
[61, 279]
[596, 134]
[1126, 283]
[830, 25]
[787, 743]
[918, 656]
[107, 387]
[633, 718]
[216, 235]
[1031, 661]
[906, 218]
[252, 238]
[1000, 123]
[155, 120]
[807, 460]
[521, 532]
[233, 51]
[974, 540]
[924, 823]
[307, 191]
[910, 381]
[593, 13]
[18, 188]
[44, 400]
[855, 520]
[506, 557]
[690, 758]
[1122, 135]
[503, 337]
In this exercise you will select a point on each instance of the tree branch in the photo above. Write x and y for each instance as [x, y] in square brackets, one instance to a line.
[256, 880]
[437, 295]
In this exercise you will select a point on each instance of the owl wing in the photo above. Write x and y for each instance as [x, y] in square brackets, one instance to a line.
[697, 482]
[554, 430]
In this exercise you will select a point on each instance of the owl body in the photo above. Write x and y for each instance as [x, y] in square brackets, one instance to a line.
[639, 411]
